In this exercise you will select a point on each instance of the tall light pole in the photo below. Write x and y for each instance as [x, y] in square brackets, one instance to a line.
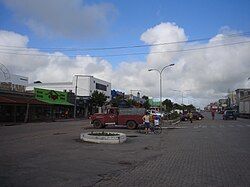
[160, 72]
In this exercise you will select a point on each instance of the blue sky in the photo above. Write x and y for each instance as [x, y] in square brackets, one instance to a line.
[198, 18]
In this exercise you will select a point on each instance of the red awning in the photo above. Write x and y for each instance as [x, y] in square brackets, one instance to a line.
[6, 100]
[20, 100]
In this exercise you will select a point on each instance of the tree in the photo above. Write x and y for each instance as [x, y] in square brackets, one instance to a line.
[168, 104]
[134, 103]
[177, 106]
[116, 101]
[145, 97]
[189, 107]
[98, 99]
[146, 104]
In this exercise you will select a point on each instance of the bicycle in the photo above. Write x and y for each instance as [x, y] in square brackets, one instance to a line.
[156, 129]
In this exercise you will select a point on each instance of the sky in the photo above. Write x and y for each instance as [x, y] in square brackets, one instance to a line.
[118, 41]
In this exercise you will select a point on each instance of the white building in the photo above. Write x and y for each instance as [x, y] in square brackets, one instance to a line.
[13, 82]
[84, 85]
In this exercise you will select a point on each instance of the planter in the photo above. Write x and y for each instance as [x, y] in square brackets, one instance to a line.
[106, 137]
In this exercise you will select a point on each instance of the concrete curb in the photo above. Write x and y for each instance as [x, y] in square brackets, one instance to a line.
[171, 122]
[104, 139]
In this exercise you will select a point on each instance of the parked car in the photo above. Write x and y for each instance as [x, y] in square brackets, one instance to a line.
[197, 116]
[229, 114]
[184, 117]
[155, 113]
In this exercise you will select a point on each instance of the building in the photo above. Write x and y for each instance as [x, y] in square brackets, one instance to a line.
[241, 94]
[13, 82]
[82, 85]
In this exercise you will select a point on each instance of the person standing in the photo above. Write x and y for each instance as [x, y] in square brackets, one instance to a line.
[146, 122]
[156, 120]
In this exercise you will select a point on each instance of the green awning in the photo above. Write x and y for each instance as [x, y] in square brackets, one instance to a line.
[57, 103]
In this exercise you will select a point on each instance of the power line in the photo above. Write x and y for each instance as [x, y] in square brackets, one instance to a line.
[124, 47]
[130, 54]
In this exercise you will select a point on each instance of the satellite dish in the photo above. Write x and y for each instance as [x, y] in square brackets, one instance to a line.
[5, 71]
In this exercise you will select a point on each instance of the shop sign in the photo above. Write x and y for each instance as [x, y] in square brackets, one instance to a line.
[51, 96]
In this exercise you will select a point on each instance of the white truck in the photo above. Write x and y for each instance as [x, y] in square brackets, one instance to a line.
[244, 108]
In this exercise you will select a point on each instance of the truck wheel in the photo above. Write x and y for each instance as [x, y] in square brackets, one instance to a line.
[97, 124]
[131, 125]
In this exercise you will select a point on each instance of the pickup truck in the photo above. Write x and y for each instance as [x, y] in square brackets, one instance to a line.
[130, 117]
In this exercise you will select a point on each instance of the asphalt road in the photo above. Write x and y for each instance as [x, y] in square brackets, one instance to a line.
[204, 153]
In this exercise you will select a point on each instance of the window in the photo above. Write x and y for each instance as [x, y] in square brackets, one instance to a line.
[101, 87]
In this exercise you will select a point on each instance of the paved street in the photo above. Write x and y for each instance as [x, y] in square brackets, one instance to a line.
[204, 153]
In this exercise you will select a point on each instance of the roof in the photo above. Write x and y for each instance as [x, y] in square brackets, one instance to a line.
[20, 100]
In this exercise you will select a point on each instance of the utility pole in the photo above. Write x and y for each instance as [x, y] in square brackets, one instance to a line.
[75, 96]
[181, 91]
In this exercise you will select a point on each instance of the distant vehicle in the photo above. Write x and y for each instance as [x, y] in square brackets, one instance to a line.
[229, 114]
[196, 116]
[154, 108]
[184, 117]
[130, 117]
[155, 113]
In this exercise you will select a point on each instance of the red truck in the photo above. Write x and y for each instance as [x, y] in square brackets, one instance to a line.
[130, 117]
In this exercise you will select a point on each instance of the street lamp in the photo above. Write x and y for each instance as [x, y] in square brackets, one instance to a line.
[160, 72]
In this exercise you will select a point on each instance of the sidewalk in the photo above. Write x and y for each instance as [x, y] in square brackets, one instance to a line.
[38, 122]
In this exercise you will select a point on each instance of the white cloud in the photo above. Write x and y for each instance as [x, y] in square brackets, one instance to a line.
[208, 73]
[70, 19]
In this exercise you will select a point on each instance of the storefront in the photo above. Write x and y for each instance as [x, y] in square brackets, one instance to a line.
[19, 108]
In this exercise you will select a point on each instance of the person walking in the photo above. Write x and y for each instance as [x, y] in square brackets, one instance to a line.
[146, 122]
[190, 115]
[213, 114]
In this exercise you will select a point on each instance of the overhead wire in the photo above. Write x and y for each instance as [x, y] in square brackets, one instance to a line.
[121, 47]
[129, 54]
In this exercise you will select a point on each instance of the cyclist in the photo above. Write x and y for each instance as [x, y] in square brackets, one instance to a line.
[146, 122]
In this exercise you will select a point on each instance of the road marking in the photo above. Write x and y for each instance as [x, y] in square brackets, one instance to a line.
[204, 126]
[248, 125]
[240, 125]
[196, 127]
[222, 126]
[231, 126]
[173, 127]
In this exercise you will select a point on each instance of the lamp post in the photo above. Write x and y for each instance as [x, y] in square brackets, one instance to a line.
[160, 72]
